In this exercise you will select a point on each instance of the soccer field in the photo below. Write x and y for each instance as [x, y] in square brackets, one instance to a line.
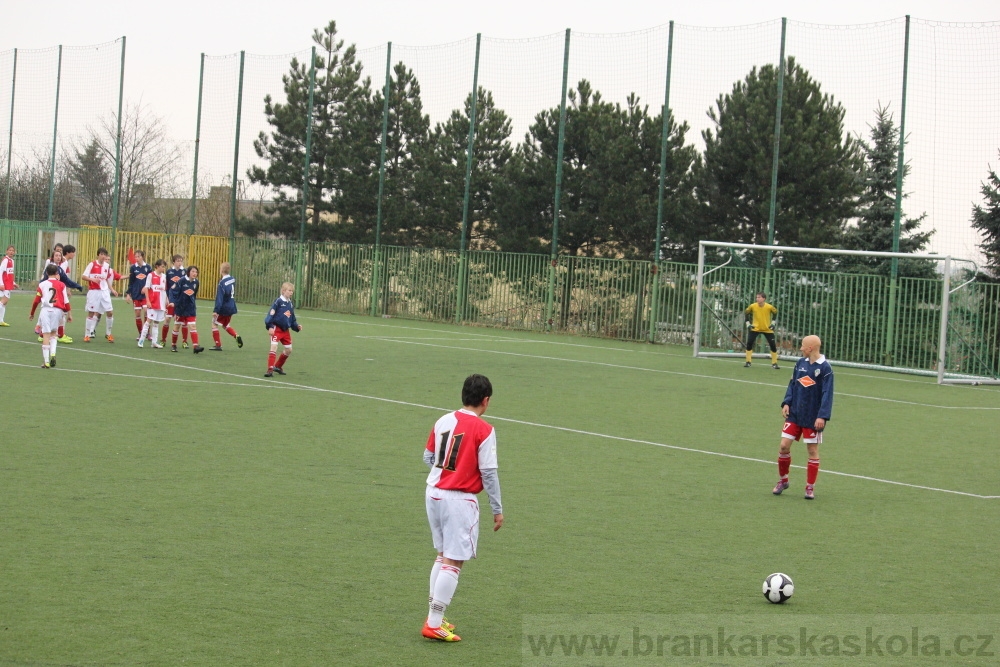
[167, 509]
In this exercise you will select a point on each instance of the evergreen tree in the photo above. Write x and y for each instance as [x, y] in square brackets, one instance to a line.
[340, 95]
[89, 170]
[491, 153]
[874, 228]
[986, 220]
[818, 165]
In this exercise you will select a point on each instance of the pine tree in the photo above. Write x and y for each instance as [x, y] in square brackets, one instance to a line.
[877, 208]
[986, 220]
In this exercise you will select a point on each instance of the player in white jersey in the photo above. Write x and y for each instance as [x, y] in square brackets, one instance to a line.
[99, 275]
[6, 281]
[155, 292]
[54, 298]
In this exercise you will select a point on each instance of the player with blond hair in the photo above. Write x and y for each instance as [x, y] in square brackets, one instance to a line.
[280, 322]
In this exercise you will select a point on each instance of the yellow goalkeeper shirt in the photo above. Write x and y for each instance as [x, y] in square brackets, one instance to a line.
[761, 316]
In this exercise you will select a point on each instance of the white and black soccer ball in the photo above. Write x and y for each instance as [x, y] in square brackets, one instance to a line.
[778, 587]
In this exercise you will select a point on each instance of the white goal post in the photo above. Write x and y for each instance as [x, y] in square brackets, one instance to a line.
[856, 314]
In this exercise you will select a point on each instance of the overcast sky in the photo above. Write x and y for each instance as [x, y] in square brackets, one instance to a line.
[165, 40]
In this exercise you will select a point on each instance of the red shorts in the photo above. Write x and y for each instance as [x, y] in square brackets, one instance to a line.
[808, 435]
[283, 337]
[185, 319]
[223, 320]
[138, 303]
[170, 310]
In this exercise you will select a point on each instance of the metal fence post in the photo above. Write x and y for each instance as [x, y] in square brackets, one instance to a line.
[10, 137]
[376, 268]
[197, 146]
[116, 196]
[236, 161]
[553, 260]
[776, 155]
[890, 324]
[305, 172]
[463, 257]
[654, 307]
[55, 139]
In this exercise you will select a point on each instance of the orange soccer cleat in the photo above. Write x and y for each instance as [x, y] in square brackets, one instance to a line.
[440, 634]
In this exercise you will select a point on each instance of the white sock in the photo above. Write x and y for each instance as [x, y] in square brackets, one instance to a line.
[435, 570]
[444, 590]
[108, 322]
[91, 325]
[52, 345]
[45, 356]
[3, 311]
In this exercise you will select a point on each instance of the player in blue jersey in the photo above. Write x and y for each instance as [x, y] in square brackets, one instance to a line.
[225, 308]
[138, 270]
[184, 297]
[807, 407]
[280, 322]
[174, 275]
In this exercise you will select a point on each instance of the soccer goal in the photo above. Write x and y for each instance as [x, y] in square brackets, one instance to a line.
[921, 324]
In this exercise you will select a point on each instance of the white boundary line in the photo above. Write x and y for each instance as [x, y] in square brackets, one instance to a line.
[265, 383]
[667, 372]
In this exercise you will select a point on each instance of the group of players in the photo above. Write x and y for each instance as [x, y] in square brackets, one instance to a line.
[163, 300]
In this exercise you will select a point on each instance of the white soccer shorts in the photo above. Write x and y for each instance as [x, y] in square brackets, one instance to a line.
[98, 301]
[156, 315]
[454, 519]
[4, 294]
[50, 320]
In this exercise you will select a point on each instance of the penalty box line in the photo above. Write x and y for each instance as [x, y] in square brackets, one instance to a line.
[264, 382]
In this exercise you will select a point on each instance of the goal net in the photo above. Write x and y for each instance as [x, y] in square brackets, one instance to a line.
[929, 320]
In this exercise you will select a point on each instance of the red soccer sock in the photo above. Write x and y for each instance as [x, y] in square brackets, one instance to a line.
[194, 338]
[270, 360]
[812, 470]
[232, 332]
[174, 337]
[217, 338]
[184, 332]
[784, 463]
[164, 330]
[281, 361]
[62, 331]
[138, 324]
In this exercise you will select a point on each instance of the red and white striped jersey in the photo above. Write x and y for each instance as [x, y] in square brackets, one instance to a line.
[463, 444]
[156, 283]
[98, 276]
[6, 273]
[53, 295]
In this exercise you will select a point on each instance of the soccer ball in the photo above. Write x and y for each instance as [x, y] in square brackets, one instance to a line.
[778, 587]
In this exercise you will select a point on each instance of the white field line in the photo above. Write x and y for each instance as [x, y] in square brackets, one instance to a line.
[667, 372]
[264, 382]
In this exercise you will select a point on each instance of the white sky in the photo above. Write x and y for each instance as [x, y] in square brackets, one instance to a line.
[165, 39]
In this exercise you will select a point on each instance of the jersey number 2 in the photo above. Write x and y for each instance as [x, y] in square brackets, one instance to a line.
[447, 457]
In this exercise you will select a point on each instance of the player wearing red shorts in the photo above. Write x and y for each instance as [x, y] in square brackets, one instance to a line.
[174, 275]
[137, 272]
[280, 322]
[225, 308]
[185, 308]
[806, 407]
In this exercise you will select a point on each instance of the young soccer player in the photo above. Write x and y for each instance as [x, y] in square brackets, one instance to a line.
[461, 452]
[174, 275]
[6, 281]
[155, 294]
[761, 313]
[806, 407]
[137, 273]
[57, 261]
[99, 277]
[54, 297]
[69, 252]
[185, 309]
[280, 322]
[225, 308]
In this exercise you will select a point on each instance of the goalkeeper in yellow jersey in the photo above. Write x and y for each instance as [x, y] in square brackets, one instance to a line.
[759, 316]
